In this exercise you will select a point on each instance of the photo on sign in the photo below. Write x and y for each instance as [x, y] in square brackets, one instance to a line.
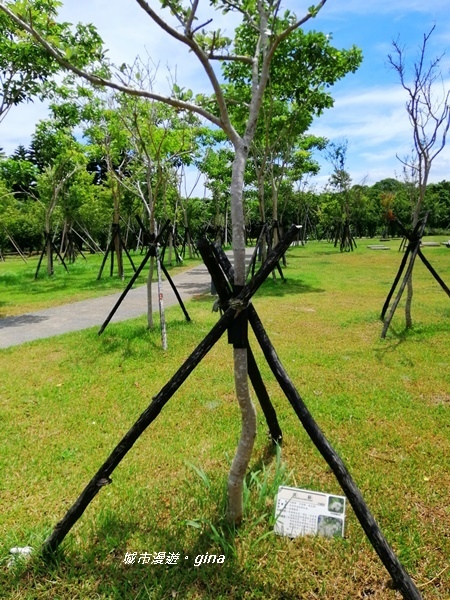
[336, 504]
[329, 526]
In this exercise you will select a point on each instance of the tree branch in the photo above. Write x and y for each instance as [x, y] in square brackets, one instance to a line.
[102, 82]
[224, 121]
[188, 28]
[231, 57]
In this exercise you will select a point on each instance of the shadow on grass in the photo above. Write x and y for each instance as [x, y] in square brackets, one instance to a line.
[115, 563]
[334, 251]
[396, 336]
[272, 288]
[267, 457]
[134, 338]
[130, 340]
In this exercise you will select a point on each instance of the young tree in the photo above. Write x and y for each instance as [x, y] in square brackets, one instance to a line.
[159, 139]
[304, 67]
[340, 182]
[109, 144]
[65, 157]
[209, 48]
[428, 109]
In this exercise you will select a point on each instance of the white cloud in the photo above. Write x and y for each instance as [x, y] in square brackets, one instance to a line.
[376, 125]
[18, 125]
[372, 117]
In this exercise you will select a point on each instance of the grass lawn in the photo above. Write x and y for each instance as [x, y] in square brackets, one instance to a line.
[383, 404]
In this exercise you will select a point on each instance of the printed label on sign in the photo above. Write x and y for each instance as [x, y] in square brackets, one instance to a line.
[304, 512]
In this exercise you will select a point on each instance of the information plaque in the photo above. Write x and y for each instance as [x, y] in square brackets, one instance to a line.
[303, 512]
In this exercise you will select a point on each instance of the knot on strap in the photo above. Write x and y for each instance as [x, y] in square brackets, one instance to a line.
[237, 304]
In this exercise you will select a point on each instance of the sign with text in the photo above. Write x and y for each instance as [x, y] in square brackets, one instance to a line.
[303, 512]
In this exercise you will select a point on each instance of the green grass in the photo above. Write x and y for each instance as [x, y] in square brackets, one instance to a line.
[22, 293]
[384, 405]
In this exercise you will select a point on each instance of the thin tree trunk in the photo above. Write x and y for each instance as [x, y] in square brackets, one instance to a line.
[149, 293]
[408, 304]
[162, 316]
[48, 237]
[415, 219]
[248, 412]
[49, 252]
[262, 215]
[246, 441]
[118, 251]
[149, 205]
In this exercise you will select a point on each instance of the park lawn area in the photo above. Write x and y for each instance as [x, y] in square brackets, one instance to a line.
[22, 293]
[383, 404]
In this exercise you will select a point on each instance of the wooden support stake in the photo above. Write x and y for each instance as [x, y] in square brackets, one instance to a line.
[276, 435]
[102, 477]
[124, 293]
[175, 291]
[434, 273]
[400, 577]
[413, 248]
[150, 252]
[394, 285]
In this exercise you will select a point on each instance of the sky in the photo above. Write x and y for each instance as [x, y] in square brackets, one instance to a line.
[369, 108]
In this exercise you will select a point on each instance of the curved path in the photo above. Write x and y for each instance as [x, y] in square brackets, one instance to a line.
[93, 312]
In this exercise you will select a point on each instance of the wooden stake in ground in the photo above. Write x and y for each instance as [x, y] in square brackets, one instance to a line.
[115, 247]
[400, 577]
[151, 252]
[413, 250]
[102, 477]
[49, 248]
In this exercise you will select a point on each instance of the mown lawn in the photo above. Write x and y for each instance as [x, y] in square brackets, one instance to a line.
[383, 404]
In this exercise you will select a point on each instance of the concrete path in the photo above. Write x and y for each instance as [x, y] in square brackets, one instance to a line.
[92, 313]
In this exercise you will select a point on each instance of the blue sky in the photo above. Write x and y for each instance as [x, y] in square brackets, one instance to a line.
[369, 105]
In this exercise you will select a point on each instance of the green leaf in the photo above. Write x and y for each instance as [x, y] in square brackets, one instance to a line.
[194, 524]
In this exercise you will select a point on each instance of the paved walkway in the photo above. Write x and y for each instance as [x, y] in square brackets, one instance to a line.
[92, 313]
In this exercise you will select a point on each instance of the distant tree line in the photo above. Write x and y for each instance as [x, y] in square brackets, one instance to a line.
[103, 160]
[67, 186]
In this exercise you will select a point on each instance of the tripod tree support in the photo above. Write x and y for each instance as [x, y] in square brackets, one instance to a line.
[265, 236]
[150, 252]
[102, 477]
[412, 251]
[236, 306]
[48, 242]
[116, 244]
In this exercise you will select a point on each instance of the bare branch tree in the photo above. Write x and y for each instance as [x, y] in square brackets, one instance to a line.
[428, 109]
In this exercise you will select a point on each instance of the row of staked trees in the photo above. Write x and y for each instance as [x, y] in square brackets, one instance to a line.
[101, 158]
[136, 165]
